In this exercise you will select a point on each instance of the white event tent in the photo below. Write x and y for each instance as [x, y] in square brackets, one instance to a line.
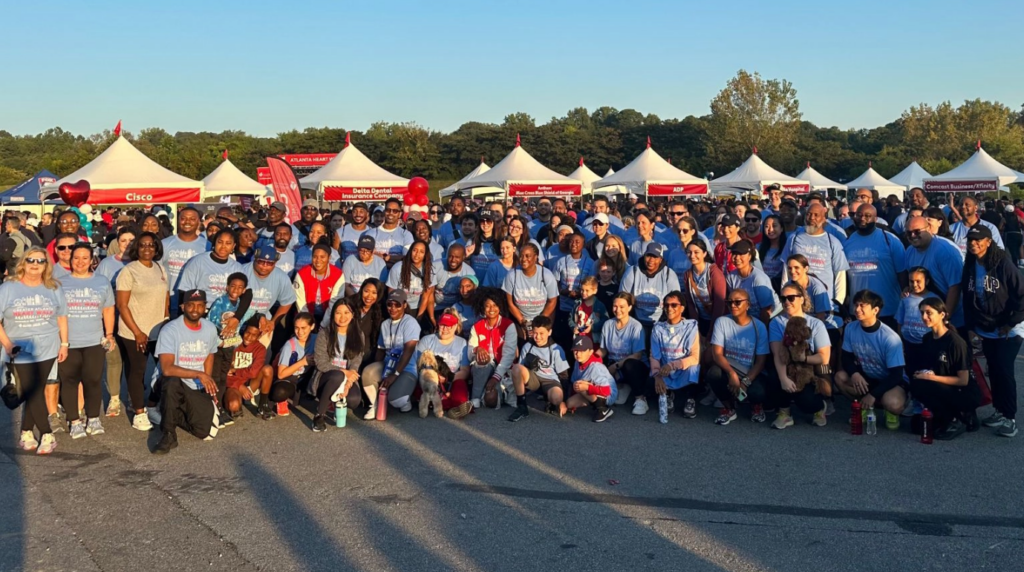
[584, 175]
[978, 174]
[818, 181]
[123, 175]
[352, 176]
[913, 176]
[615, 190]
[871, 180]
[228, 180]
[476, 192]
[652, 175]
[520, 175]
[754, 175]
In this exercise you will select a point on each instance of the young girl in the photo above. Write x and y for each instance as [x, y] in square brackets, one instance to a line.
[607, 284]
[293, 363]
[589, 314]
[908, 316]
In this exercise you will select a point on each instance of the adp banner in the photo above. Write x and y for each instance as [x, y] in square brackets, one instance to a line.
[286, 186]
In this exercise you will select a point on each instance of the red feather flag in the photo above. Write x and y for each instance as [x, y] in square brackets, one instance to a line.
[286, 186]
[117, 130]
[225, 154]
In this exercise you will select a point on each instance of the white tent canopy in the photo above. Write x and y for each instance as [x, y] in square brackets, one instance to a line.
[652, 175]
[228, 180]
[870, 179]
[476, 192]
[755, 175]
[352, 176]
[818, 181]
[124, 175]
[979, 173]
[584, 175]
[913, 176]
[520, 175]
[615, 190]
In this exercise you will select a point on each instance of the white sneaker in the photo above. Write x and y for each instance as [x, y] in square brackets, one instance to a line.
[640, 407]
[476, 403]
[407, 407]
[47, 444]
[28, 441]
[624, 392]
[371, 414]
[141, 421]
[255, 399]
[114, 407]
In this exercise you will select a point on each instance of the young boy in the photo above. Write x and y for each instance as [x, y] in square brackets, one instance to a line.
[248, 377]
[227, 313]
[542, 366]
[589, 314]
[591, 380]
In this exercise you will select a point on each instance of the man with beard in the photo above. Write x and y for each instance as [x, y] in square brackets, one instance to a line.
[391, 239]
[308, 214]
[180, 248]
[968, 218]
[276, 216]
[283, 245]
[270, 288]
[449, 277]
[943, 260]
[824, 252]
[788, 213]
[349, 234]
[877, 262]
[917, 199]
[542, 218]
[449, 232]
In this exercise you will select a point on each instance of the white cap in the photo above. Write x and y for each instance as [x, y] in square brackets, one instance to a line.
[632, 196]
[601, 217]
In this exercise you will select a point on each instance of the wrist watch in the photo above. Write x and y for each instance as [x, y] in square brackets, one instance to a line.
[744, 380]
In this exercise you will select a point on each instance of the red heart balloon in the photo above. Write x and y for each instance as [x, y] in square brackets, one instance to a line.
[75, 194]
[418, 186]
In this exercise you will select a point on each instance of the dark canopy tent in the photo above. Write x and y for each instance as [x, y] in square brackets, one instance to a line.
[27, 193]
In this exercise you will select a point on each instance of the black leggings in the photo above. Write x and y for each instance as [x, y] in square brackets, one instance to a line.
[31, 381]
[83, 365]
[946, 402]
[637, 374]
[757, 392]
[329, 383]
[136, 370]
[807, 400]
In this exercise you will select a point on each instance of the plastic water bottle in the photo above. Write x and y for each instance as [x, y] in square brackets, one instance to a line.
[872, 425]
[663, 408]
[926, 427]
[382, 404]
[341, 413]
[856, 420]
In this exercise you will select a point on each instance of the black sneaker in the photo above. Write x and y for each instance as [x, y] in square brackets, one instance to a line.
[319, 424]
[972, 422]
[952, 431]
[266, 411]
[602, 415]
[521, 412]
[167, 442]
[690, 409]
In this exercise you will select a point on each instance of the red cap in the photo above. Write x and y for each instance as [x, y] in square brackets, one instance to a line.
[448, 320]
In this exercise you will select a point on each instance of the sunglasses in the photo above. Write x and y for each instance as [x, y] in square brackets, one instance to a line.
[677, 213]
[735, 303]
[598, 223]
[266, 262]
[393, 211]
[435, 212]
[752, 219]
[64, 247]
[394, 304]
[791, 297]
[673, 305]
[914, 233]
[35, 261]
[510, 217]
[486, 221]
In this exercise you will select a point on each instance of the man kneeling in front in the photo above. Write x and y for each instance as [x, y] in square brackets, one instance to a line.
[185, 349]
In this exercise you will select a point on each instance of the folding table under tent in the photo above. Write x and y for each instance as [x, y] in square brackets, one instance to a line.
[913, 176]
[651, 175]
[519, 175]
[123, 175]
[871, 180]
[475, 192]
[351, 176]
[754, 175]
[978, 174]
[228, 180]
[818, 181]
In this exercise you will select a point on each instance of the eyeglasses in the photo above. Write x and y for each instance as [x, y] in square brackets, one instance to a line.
[394, 304]
[735, 303]
[149, 245]
[64, 247]
[791, 297]
[677, 213]
[309, 208]
[435, 212]
[35, 261]
[266, 262]
[915, 233]
[393, 211]
[752, 219]
[510, 217]
[673, 305]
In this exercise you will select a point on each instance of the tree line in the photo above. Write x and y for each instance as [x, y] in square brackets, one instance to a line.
[750, 111]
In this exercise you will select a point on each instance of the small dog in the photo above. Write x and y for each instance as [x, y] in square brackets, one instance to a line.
[430, 383]
[796, 341]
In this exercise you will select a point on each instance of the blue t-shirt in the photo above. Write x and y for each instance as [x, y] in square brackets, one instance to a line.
[596, 374]
[876, 351]
[648, 291]
[454, 353]
[959, 230]
[416, 285]
[670, 342]
[189, 347]
[825, 256]
[495, 275]
[550, 359]
[304, 257]
[908, 316]
[275, 289]
[30, 319]
[86, 299]
[109, 267]
[349, 238]
[772, 264]
[621, 343]
[295, 349]
[638, 247]
[741, 344]
[821, 303]
[758, 287]
[177, 253]
[679, 262]
[447, 292]
[482, 257]
[204, 273]
[943, 260]
[394, 242]
[875, 260]
[819, 334]
[570, 272]
[356, 272]
[531, 294]
[394, 335]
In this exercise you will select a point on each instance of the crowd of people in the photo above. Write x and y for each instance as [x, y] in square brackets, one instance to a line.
[780, 304]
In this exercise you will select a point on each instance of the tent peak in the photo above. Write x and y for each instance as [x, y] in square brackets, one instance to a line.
[755, 149]
[581, 161]
[517, 140]
[117, 129]
[979, 144]
[225, 154]
[348, 138]
[648, 141]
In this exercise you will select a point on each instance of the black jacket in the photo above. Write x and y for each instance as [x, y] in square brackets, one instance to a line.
[1004, 295]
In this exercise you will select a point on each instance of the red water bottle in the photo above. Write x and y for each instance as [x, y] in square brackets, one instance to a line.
[927, 423]
[856, 419]
[382, 404]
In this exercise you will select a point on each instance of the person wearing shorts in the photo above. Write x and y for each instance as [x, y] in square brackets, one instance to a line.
[542, 366]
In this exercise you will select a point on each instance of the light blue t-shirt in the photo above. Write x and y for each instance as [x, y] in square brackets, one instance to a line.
[177, 253]
[531, 293]
[741, 344]
[758, 286]
[109, 267]
[295, 346]
[596, 374]
[772, 264]
[648, 291]
[959, 230]
[304, 256]
[638, 247]
[454, 353]
[570, 272]
[395, 334]
[943, 260]
[876, 351]
[483, 256]
[621, 343]
[550, 359]
[670, 342]
[495, 275]
[821, 303]
[356, 272]
[416, 285]
[30, 319]
[819, 334]
[190, 348]
[211, 277]
[349, 238]
[447, 292]
[394, 242]
[908, 316]
[679, 262]
[86, 299]
[875, 260]
[268, 292]
[825, 256]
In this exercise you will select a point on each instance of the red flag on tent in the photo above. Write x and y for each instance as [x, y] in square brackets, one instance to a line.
[117, 130]
[225, 154]
[517, 139]
[286, 186]
[348, 138]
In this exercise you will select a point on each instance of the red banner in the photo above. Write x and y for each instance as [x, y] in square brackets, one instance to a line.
[975, 186]
[670, 190]
[142, 196]
[286, 187]
[263, 175]
[798, 188]
[561, 190]
[363, 194]
[308, 159]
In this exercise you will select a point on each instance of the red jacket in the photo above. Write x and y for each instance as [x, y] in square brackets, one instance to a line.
[307, 285]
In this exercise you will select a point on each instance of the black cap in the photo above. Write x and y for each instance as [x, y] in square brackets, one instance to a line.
[582, 343]
[742, 247]
[194, 296]
[366, 242]
[978, 232]
[655, 249]
[731, 220]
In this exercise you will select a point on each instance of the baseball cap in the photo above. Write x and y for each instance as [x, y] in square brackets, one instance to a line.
[730, 220]
[742, 247]
[564, 227]
[1009, 209]
[978, 232]
[360, 205]
[195, 295]
[279, 206]
[632, 196]
[582, 343]
[654, 249]
[310, 203]
[397, 295]
[266, 253]
[448, 320]
[601, 218]
[366, 242]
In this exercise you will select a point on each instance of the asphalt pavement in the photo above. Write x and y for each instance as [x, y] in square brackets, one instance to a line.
[541, 494]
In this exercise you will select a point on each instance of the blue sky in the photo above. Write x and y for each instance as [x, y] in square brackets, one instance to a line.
[265, 67]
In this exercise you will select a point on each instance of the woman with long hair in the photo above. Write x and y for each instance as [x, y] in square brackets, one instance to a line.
[295, 364]
[938, 224]
[416, 275]
[623, 349]
[645, 225]
[615, 255]
[488, 233]
[34, 320]
[796, 304]
[911, 326]
[338, 354]
[703, 287]
[370, 301]
[143, 304]
[516, 230]
[773, 241]
[508, 258]
[421, 230]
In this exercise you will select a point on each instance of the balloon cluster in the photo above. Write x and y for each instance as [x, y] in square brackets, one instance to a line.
[84, 219]
[415, 198]
[76, 196]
